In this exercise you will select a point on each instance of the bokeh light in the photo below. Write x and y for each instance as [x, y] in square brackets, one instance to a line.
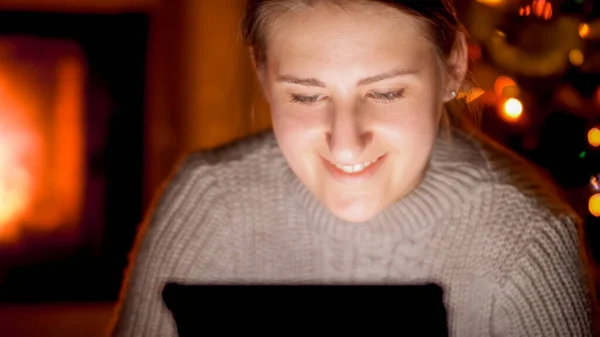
[502, 83]
[540, 8]
[594, 137]
[512, 109]
[491, 2]
[594, 205]
[576, 57]
[584, 30]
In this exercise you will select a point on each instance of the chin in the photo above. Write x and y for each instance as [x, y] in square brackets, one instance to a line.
[361, 210]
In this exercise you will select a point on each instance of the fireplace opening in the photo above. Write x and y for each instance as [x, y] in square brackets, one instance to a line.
[71, 152]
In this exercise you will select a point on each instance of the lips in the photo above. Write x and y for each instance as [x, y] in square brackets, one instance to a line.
[353, 173]
[357, 168]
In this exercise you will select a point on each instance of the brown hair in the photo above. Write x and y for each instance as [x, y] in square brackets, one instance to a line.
[438, 16]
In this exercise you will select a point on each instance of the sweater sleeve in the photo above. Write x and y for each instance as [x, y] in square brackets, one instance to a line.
[546, 293]
[168, 243]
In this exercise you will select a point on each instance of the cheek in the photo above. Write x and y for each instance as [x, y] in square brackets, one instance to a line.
[409, 126]
[297, 123]
[298, 135]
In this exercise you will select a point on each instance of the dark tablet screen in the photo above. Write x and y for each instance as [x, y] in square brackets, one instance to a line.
[214, 310]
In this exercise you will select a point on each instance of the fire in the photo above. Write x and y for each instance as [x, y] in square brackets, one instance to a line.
[41, 148]
[19, 146]
[15, 193]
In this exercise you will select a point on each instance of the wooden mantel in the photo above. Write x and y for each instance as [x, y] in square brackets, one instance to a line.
[86, 6]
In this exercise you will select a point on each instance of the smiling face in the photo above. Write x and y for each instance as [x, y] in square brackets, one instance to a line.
[356, 97]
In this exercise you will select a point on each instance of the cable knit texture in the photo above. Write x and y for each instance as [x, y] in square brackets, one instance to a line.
[481, 225]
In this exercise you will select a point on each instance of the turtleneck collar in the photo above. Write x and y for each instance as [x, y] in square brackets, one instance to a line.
[456, 170]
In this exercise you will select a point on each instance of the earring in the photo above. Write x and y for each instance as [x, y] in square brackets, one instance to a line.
[453, 94]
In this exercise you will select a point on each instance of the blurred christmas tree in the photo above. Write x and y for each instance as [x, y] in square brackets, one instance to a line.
[538, 62]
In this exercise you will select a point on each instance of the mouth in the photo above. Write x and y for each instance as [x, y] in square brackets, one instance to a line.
[356, 168]
[355, 172]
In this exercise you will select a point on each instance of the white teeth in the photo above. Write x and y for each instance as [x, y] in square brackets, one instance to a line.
[355, 168]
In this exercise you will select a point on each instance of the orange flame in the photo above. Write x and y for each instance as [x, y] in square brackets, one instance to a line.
[19, 148]
[41, 151]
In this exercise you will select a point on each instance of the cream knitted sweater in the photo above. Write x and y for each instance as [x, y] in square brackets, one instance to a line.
[505, 251]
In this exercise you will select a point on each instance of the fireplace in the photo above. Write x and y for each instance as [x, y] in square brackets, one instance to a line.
[41, 137]
[71, 152]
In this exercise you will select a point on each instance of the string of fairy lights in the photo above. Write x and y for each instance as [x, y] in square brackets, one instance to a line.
[516, 40]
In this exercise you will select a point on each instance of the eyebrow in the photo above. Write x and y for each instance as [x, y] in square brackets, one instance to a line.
[312, 82]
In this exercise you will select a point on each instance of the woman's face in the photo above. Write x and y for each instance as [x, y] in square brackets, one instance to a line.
[356, 97]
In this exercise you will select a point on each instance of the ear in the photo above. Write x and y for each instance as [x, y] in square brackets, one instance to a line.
[260, 71]
[252, 55]
[458, 65]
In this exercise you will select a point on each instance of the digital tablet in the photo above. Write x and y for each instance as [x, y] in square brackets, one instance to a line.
[220, 310]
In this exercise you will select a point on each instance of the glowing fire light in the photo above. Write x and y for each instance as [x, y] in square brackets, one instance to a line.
[18, 146]
[15, 194]
[41, 150]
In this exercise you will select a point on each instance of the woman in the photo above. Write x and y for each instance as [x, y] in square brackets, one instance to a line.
[362, 182]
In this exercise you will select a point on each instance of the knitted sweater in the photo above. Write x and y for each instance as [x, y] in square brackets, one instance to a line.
[505, 251]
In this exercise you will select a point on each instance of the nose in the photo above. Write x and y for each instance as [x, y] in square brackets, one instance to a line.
[348, 138]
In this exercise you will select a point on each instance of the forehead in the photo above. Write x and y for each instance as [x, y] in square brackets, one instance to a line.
[327, 35]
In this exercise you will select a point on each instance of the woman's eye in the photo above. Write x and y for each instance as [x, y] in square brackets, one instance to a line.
[308, 100]
[386, 97]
